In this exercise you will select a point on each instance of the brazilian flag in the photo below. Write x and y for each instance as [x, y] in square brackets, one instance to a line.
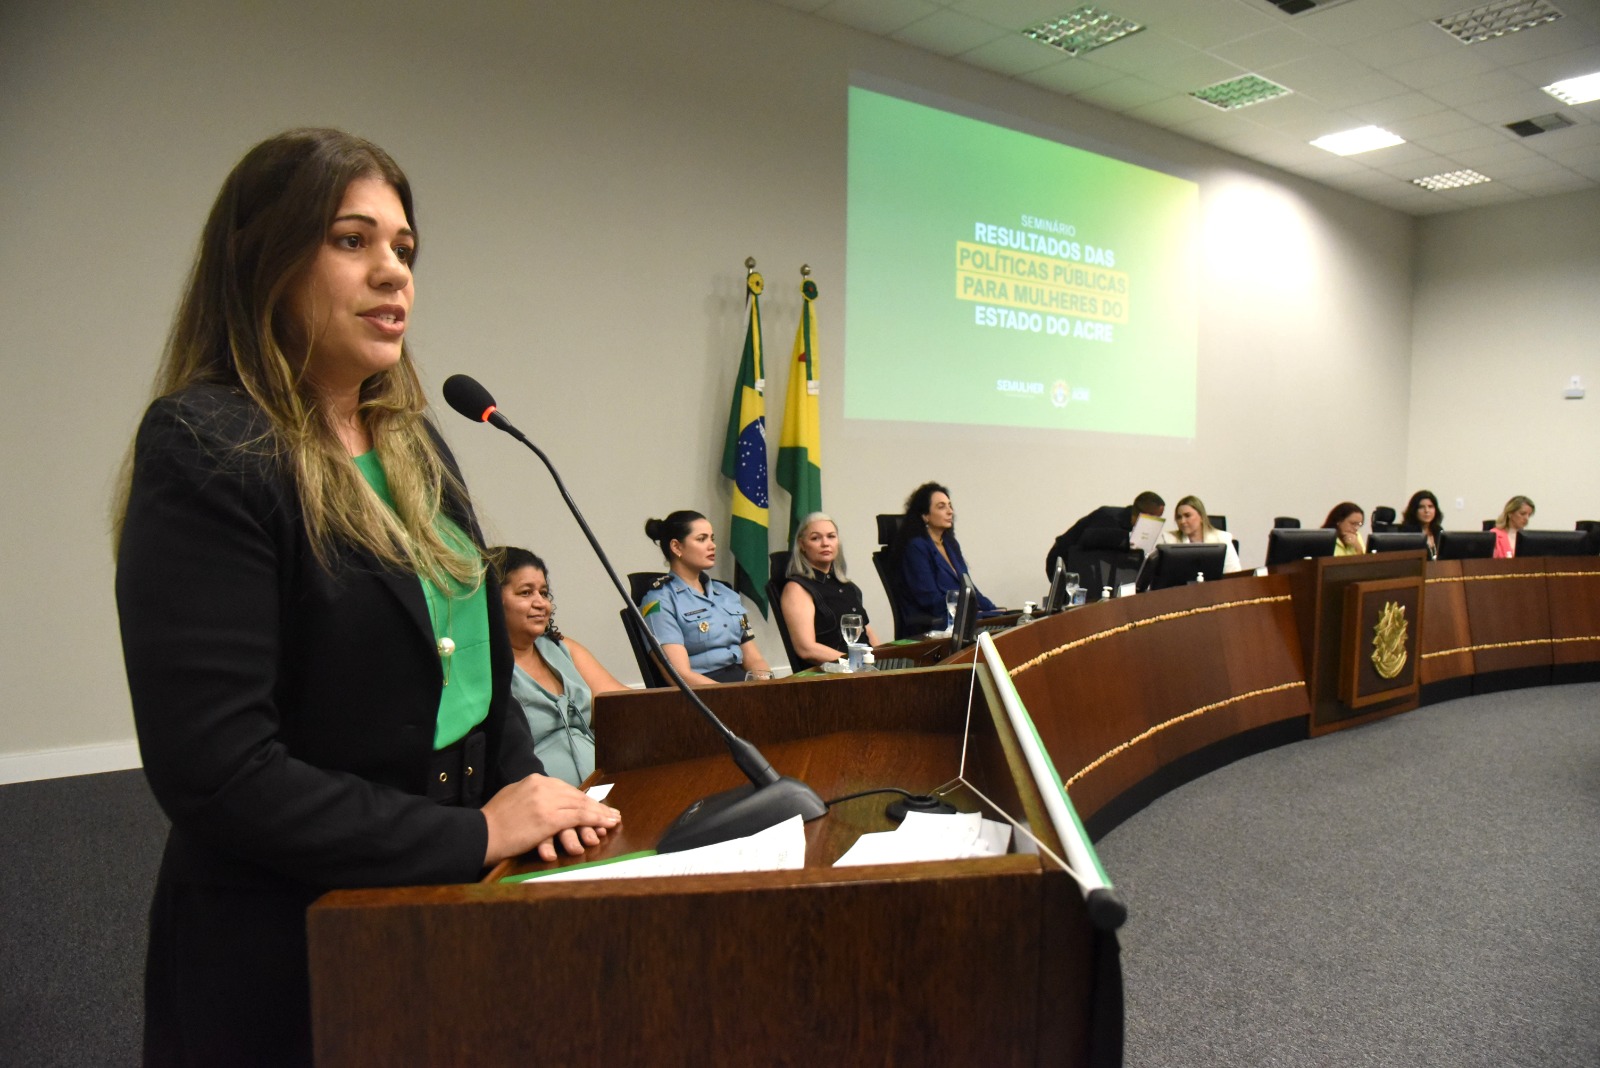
[800, 443]
[744, 460]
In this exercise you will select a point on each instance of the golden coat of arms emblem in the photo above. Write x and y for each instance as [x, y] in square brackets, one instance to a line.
[1389, 641]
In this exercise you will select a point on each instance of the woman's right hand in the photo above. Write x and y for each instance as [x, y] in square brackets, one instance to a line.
[537, 813]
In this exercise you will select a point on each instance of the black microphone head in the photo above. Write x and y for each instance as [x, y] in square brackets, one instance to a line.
[467, 396]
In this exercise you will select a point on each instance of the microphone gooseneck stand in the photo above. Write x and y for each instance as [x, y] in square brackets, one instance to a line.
[769, 798]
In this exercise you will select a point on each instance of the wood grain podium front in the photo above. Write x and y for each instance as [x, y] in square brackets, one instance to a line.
[981, 961]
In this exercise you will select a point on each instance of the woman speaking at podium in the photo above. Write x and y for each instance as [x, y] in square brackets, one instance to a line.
[319, 680]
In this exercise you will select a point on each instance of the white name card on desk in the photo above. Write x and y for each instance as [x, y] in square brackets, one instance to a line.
[778, 848]
[925, 836]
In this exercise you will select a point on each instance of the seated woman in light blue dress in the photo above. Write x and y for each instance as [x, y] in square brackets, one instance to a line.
[555, 678]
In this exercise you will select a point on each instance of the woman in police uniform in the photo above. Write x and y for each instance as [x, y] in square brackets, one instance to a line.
[700, 622]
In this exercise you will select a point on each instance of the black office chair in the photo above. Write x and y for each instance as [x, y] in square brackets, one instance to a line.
[1286, 521]
[1382, 519]
[1102, 558]
[1219, 521]
[650, 671]
[908, 623]
[639, 583]
[777, 572]
[1593, 527]
[1488, 524]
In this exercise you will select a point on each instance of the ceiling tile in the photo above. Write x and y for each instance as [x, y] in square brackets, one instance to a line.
[1354, 22]
[1313, 74]
[1070, 76]
[1170, 112]
[800, 5]
[1012, 55]
[1015, 15]
[1400, 108]
[947, 33]
[1461, 140]
[1475, 89]
[1435, 124]
[1421, 163]
[1487, 193]
[1498, 112]
[1562, 181]
[1268, 48]
[1429, 71]
[1143, 51]
[1195, 72]
[1541, 42]
[1125, 93]
[1204, 26]
[877, 16]
[1402, 45]
[1490, 156]
[1566, 65]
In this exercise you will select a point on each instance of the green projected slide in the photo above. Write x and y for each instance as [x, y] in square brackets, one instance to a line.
[1001, 279]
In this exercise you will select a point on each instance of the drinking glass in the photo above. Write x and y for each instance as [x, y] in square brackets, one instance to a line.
[950, 601]
[1070, 579]
[850, 625]
[757, 676]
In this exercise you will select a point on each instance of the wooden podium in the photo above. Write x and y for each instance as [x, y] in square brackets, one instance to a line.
[984, 961]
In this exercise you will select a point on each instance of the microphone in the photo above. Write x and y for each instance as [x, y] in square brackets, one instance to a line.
[770, 798]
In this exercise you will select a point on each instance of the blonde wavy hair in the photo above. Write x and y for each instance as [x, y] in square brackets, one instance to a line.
[1514, 505]
[233, 328]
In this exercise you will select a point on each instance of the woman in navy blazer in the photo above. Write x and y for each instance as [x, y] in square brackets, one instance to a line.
[296, 556]
[931, 564]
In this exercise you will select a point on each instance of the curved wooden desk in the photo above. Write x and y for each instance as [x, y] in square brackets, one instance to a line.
[1136, 695]
[1492, 624]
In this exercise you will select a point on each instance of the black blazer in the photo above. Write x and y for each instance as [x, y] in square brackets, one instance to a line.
[285, 712]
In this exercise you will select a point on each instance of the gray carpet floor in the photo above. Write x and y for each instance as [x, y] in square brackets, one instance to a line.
[1420, 891]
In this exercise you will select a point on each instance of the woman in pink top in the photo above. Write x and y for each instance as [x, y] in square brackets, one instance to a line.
[1513, 517]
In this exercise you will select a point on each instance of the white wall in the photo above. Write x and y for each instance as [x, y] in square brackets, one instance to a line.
[590, 178]
[1507, 311]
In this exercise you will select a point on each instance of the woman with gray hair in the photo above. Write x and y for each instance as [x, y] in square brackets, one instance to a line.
[817, 593]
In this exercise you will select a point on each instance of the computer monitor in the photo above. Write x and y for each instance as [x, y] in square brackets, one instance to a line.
[1389, 541]
[1180, 564]
[1055, 597]
[1294, 543]
[964, 631]
[1466, 544]
[1554, 543]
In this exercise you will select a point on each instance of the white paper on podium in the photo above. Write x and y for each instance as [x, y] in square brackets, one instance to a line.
[778, 848]
[599, 792]
[924, 836]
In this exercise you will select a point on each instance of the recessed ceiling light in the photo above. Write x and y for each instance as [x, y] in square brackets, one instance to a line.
[1239, 92]
[1579, 90]
[1451, 180]
[1361, 139]
[1082, 30]
[1497, 20]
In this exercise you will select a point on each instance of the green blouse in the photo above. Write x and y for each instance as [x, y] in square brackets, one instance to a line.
[462, 615]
